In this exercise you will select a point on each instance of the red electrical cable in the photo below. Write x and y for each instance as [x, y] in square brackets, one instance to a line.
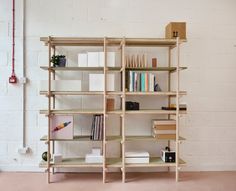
[13, 37]
[12, 78]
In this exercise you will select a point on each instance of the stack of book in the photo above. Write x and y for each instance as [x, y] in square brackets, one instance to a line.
[133, 157]
[94, 157]
[164, 128]
[97, 128]
[140, 81]
[182, 107]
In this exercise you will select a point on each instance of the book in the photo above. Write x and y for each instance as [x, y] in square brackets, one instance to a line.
[97, 128]
[163, 122]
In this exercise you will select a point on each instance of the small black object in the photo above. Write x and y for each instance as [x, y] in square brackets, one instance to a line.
[45, 156]
[167, 155]
[129, 105]
[157, 88]
[173, 108]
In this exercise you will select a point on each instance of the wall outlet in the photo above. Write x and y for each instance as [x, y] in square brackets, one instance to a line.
[23, 80]
[23, 150]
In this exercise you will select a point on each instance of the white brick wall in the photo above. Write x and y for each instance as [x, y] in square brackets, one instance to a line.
[210, 55]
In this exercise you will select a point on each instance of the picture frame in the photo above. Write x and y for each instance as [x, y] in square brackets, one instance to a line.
[62, 127]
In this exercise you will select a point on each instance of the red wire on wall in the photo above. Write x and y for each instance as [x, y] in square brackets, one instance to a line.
[13, 78]
[13, 37]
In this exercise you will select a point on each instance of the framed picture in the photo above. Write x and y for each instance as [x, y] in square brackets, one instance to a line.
[61, 127]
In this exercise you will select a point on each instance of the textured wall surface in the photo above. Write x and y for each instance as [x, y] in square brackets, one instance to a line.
[210, 55]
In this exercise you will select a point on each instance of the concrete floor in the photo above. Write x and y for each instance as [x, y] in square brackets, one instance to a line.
[190, 181]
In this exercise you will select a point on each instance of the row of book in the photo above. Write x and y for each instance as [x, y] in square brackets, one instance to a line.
[97, 128]
[141, 82]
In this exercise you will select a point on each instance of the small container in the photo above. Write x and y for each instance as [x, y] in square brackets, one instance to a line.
[62, 62]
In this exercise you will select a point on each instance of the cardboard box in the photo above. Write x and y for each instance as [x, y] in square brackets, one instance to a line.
[91, 158]
[96, 82]
[136, 157]
[174, 29]
[82, 60]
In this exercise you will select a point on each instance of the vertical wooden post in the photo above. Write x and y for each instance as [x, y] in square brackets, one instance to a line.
[177, 113]
[104, 109]
[53, 106]
[169, 88]
[49, 105]
[123, 111]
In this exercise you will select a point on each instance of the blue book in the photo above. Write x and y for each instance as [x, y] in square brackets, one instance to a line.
[142, 82]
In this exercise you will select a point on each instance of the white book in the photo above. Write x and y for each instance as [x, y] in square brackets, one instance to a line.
[134, 154]
[140, 160]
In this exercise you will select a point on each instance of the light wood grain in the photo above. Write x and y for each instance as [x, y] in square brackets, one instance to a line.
[155, 162]
[78, 41]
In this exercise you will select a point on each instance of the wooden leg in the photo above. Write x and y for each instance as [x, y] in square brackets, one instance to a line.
[123, 176]
[177, 174]
[104, 176]
[49, 181]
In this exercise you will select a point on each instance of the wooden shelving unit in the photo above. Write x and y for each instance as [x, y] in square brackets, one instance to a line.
[122, 43]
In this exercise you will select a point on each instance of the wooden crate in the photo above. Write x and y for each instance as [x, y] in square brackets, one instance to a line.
[174, 29]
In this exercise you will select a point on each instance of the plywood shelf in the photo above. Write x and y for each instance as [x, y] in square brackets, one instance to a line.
[112, 69]
[70, 68]
[80, 162]
[118, 112]
[154, 111]
[170, 69]
[71, 111]
[155, 162]
[172, 93]
[71, 162]
[118, 138]
[110, 162]
[83, 138]
[81, 93]
[151, 138]
[78, 41]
